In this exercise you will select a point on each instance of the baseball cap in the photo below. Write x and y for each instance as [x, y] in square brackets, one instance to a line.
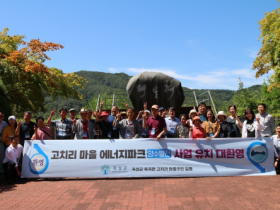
[161, 108]
[12, 118]
[147, 111]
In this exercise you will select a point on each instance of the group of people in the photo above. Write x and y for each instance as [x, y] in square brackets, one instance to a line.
[125, 125]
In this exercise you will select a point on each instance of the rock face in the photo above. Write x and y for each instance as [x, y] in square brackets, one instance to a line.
[155, 88]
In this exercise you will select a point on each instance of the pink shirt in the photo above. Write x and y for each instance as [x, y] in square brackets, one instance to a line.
[43, 135]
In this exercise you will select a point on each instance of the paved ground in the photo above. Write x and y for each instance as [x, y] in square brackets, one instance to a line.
[159, 193]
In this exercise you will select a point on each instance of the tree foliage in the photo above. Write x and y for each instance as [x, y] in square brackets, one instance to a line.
[27, 79]
[244, 98]
[269, 55]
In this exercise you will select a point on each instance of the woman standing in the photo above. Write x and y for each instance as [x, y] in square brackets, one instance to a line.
[182, 130]
[211, 126]
[193, 113]
[251, 126]
[235, 122]
[42, 132]
[11, 129]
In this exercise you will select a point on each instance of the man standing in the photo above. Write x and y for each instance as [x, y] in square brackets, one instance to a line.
[111, 119]
[12, 156]
[3, 125]
[72, 114]
[171, 123]
[63, 125]
[130, 127]
[83, 128]
[26, 128]
[156, 123]
[266, 120]
[202, 111]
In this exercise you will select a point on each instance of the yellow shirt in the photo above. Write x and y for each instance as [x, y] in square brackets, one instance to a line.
[8, 131]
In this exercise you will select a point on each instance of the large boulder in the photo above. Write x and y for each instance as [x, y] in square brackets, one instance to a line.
[155, 88]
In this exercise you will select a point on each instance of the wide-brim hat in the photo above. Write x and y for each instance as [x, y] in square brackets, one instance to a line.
[192, 111]
[104, 114]
[221, 113]
[196, 118]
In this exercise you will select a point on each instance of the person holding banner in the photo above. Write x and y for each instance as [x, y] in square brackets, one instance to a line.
[182, 130]
[83, 128]
[42, 132]
[63, 126]
[225, 131]
[171, 123]
[235, 122]
[197, 131]
[156, 123]
[276, 142]
[105, 127]
[212, 127]
[12, 156]
[251, 126]
[129, 128]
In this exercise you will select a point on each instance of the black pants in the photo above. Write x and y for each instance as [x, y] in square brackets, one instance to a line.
[9, 170]
[277, 169]
[170, 136]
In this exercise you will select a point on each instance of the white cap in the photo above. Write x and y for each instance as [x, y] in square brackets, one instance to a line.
[221, 113]
[147, 111]
[12, 118]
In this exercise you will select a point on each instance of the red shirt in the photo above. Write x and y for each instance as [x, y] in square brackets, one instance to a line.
[198, 132]
[85, 129]
[157, 123]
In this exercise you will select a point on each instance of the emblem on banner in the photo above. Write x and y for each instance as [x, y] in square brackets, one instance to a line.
[105, 169]
[257, 153]
[39, 162]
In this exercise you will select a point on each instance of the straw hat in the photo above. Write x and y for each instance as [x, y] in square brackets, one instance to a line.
[192, 111]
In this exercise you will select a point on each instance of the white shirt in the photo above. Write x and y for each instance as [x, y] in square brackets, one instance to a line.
[3, 125]
[13, 154]
[276, 143]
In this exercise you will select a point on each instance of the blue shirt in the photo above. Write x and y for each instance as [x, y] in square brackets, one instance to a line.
[203, 118]
[171, 125]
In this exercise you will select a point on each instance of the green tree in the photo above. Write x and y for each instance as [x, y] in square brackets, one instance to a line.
[244, 99]
[269, 55]
[25, 77]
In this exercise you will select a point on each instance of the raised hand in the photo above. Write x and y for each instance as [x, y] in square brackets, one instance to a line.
[258, 118]
[164, 113]
[52, 112]
[19, 123]
[126, 104]
[118, 115]
[145, 106]
[101, 103]
[75, 121]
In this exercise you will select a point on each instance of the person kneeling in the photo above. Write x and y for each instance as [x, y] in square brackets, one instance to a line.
[12, 156]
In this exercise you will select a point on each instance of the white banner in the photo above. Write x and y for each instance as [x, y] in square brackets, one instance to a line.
[148, 158]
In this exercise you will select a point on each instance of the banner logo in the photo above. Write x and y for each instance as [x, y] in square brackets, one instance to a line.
[105, 169]
[39, 162]
[257, 153]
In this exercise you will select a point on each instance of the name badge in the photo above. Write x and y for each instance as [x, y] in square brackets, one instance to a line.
[60, 133]
[153, 131]
[144, 133]
[109, 134]
[221, 135]
[211, 134]
[84, 134]
[114, 128]
[27, 135]
[172, 130]
[128, 131]
[232, 129]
